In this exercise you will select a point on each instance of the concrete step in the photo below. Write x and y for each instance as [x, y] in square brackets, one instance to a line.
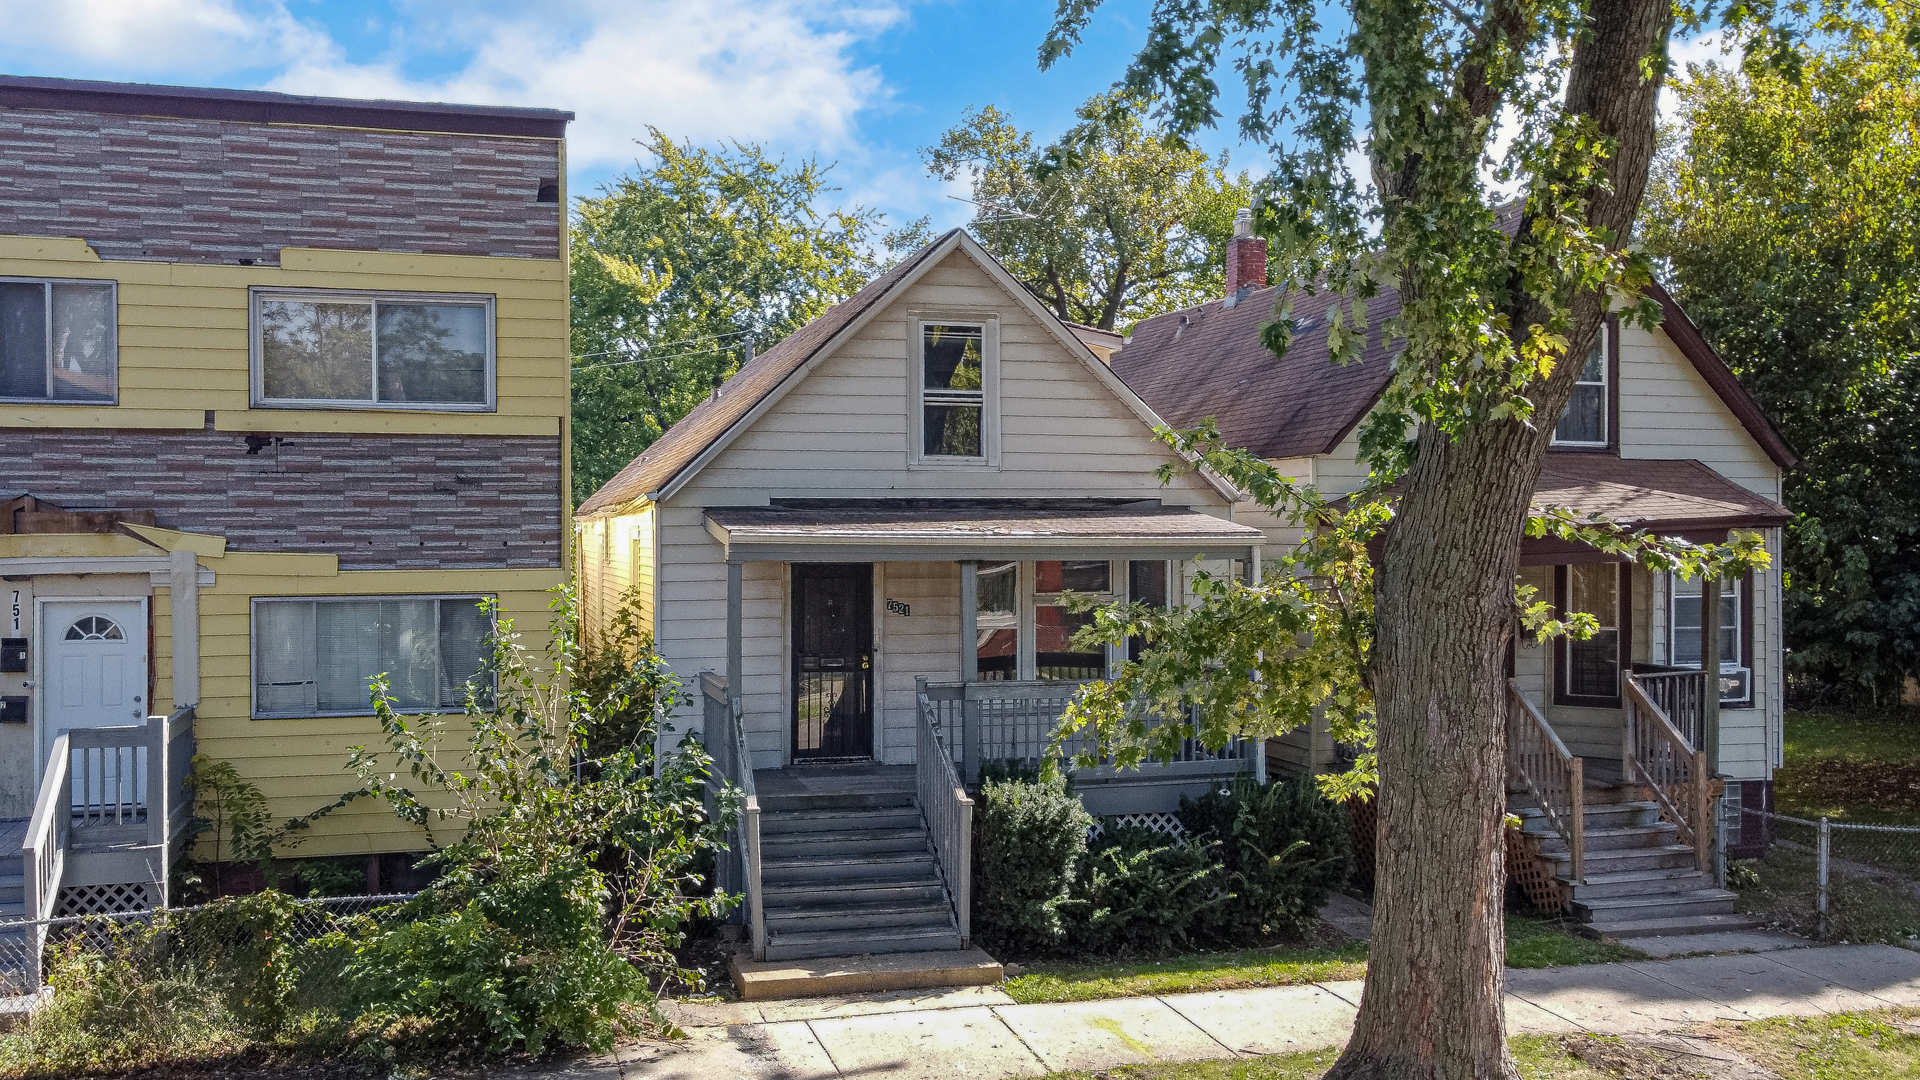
[842, 842]
[1668, 905]
[1665, 857]
[847, 869]
[1640, 883]
[802, 945]
[766, 980]
[819, 821]
[1678, 926]
[858, 917]
[820, 895]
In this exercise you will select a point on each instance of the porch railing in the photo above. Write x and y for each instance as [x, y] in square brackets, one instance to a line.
[724, 734]
[1681, 693]
[1655, 752]
[1556, 779]
[949, 813]
[107, 787]
[1014, 722]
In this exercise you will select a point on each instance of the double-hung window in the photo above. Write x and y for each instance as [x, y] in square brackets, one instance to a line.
[1684, 642]
[955, 377]
[319, 656]
[320, 349]
[1585, 423]
[59, 341]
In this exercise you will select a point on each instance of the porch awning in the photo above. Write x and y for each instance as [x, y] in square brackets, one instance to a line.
[869, 534]
[1671, 497]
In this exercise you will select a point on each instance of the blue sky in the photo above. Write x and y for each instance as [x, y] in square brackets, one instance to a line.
[865, 83]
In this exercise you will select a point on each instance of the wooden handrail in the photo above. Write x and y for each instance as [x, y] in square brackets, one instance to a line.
[1658, 755]
[1553, 776]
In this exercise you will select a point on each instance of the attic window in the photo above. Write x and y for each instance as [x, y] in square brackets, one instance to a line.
[955, 383]
[1586, 421]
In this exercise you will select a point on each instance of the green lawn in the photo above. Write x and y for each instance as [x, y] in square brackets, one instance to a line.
[1879, 1045]
[1851, 767]
[1531, 943]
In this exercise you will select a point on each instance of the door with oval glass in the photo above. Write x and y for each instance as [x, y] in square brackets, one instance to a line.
[93, 673]
[832, 661]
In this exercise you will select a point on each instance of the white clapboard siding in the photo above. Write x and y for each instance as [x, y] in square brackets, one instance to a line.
[1668, 411]
[926, 641]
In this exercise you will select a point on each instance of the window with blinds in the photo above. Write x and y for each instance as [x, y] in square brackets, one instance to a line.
[319, 657]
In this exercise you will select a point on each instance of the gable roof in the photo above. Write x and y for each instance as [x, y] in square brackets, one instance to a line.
[1208, 361]
[680, 451]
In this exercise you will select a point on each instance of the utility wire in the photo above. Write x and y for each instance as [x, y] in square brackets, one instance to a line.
[651, 358]
[661, 345]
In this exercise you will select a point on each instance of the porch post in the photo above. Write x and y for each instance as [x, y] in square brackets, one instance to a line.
[969, 741]
[734, 620]
[183, 588]
[1253, 565]
[1710, 664]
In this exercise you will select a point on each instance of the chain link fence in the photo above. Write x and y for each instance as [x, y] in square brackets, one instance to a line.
[222, 944]
[1830, 880]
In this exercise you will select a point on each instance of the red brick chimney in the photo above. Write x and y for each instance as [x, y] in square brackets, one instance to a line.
[1246, 256]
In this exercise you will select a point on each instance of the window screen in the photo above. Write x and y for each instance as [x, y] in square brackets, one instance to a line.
[374, 351]
[1585, 421]
[317, 657]
[58, 341]
[953, 391]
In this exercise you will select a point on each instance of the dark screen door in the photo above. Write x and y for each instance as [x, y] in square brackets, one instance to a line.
[832, 660]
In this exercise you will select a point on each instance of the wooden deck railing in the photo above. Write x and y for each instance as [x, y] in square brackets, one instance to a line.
[1015, 721]
[1681, 693]
[949, 814]
[724, 734]
[1656, 753]
[1556, 779]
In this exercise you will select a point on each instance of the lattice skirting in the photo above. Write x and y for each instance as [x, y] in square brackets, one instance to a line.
[1165, 822]
[107, 899]
[1533, 875]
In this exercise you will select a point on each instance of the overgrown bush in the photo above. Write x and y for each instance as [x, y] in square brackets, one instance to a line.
[1029, 838]
[1283, 849]
[1140, 890]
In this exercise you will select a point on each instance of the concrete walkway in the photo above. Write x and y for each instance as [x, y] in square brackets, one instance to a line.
[979, 1032]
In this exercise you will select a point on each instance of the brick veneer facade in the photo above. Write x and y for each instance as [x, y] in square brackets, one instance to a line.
[379, 502]
[224, 191]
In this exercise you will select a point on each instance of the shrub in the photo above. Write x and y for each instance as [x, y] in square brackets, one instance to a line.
[1283, 848]
[1142, 890]
[1029, 838]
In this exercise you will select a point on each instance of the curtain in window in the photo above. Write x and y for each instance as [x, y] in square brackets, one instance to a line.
[82, 364]
[359, 639]
[1593, 665]
[465, 636]
[283, 643]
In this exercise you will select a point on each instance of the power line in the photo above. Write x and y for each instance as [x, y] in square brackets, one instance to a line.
[661, 345]
[651, 358]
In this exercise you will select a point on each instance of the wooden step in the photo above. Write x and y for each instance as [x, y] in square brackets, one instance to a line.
[1675, 926]
[818, 821]
[878, 866]
[799, 946]
[842, 842]
[1640, 883]
[1664, 857]
[1609, 909]
[819, 895]
[936, 913]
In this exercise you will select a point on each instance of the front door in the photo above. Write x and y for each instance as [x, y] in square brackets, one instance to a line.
[93, 673]
[832, 661]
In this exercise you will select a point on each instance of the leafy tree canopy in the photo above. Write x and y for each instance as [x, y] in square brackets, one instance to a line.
[677, 265]
[1788, 209]
[1115, 221]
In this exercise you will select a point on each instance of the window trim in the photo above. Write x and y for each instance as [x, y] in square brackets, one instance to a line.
[113, 339]
[1743, 633]
[989, 323]
[1610, 344]
[256, 367]
[1562, 662]
[253, 644]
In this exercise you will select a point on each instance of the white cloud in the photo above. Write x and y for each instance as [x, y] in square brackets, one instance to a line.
[776, 71]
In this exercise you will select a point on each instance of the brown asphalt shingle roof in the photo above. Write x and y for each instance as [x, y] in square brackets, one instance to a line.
[1208, 361]
[686, 440]
[1651, 492]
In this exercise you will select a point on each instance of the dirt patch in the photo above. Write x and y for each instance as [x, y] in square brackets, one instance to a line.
[1663, 1057]
[1882, 785]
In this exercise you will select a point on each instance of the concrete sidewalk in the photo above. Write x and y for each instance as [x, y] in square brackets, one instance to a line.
[980, 1032]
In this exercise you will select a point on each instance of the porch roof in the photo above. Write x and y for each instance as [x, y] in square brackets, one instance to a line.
[1667, 494]
[918, 533]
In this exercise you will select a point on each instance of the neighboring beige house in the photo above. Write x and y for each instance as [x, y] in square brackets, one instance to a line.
[1659, 435]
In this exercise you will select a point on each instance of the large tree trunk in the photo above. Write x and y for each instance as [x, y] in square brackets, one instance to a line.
[1445, 608]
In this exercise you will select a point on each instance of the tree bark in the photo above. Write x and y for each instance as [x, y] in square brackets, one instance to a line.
[1432, 1007]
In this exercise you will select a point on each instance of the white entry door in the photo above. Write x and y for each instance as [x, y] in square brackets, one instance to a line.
[93, 673]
